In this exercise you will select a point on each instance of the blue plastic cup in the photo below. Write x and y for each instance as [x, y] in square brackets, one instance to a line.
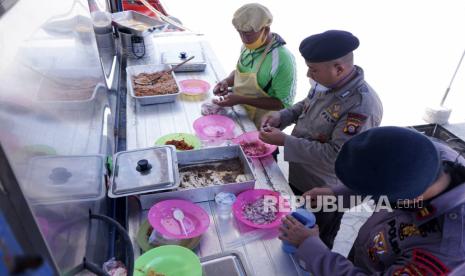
[305, 217]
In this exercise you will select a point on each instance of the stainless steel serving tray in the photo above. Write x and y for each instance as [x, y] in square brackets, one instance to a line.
[132, 71]
[173, 58]
[128, 180]
[230, 263]
[205, 193]
[129, 19]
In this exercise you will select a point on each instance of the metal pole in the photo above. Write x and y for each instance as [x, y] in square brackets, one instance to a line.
[452, 80]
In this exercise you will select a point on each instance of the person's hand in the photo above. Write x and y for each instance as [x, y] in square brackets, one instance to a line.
[221, 88]
[295, 232]
[228, 100]
[314, 193]
[271, 119]
[273, 136]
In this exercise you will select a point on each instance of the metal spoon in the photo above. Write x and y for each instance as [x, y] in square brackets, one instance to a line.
[159, 76]
[179, 216]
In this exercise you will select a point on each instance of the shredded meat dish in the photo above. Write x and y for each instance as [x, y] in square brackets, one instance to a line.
[210, 174]
[152, 84]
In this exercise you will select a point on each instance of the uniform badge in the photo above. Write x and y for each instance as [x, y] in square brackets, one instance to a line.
[354, 122]
[334, 110]
[378, 246]
[425, 212]
[407, 230]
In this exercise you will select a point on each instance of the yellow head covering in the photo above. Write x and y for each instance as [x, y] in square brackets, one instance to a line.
[252, 17]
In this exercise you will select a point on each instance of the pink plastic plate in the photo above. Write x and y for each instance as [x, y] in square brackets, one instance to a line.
[213, 127]
[253, 137]
[251, 196]
[196, 220]
[194, 87]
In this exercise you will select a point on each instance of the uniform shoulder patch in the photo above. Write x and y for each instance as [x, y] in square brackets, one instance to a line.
[409, 270]
[429, 262]
[354, 122]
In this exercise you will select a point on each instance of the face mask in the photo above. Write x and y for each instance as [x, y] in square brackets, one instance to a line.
[257, 43]
[317, 87]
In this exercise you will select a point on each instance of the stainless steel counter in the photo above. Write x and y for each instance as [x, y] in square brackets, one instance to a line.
[146, 123]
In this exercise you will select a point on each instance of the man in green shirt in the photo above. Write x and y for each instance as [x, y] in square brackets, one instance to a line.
[265, 75]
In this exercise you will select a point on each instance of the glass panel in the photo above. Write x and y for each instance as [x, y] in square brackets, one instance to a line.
[57, 117]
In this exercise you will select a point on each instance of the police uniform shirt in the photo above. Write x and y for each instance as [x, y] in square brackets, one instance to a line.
[426, 241]
[324, 121]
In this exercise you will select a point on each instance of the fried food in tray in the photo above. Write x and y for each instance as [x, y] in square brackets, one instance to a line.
[151, 84]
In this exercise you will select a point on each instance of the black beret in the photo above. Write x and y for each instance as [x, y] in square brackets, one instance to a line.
[328, 46]
[393, 161]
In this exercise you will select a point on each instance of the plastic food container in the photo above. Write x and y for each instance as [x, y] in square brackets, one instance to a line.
[224, 202]
[61, 191]
[102, 22]
[133, 71]
[168, 260]
[65, 179]
[251, 196]
[148, 238]
[214, 129]
[196, 221]
[252, 136]
[189, 139]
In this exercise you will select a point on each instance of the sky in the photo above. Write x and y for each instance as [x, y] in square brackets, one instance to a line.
[409, 49]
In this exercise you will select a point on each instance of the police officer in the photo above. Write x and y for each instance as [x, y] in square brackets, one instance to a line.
[264, 78]
[339, 105]
[411, 239]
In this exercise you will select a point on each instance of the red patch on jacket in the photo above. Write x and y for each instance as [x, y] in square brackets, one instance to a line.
[429, 262]
[354, 122]
[409, 270]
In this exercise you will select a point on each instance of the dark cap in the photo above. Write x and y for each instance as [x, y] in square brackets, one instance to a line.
[397, 162]
[328, 46]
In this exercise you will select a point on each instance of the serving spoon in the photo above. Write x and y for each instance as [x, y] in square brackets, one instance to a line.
[151, 82]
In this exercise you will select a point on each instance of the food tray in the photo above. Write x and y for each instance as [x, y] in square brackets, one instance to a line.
[127, 180]
[129, 19]
[230, 263]
[198, 64]
[132, 71]
[205, 193]
[73, 104]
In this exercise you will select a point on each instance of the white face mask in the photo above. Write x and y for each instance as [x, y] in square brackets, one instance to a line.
[317, 87]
